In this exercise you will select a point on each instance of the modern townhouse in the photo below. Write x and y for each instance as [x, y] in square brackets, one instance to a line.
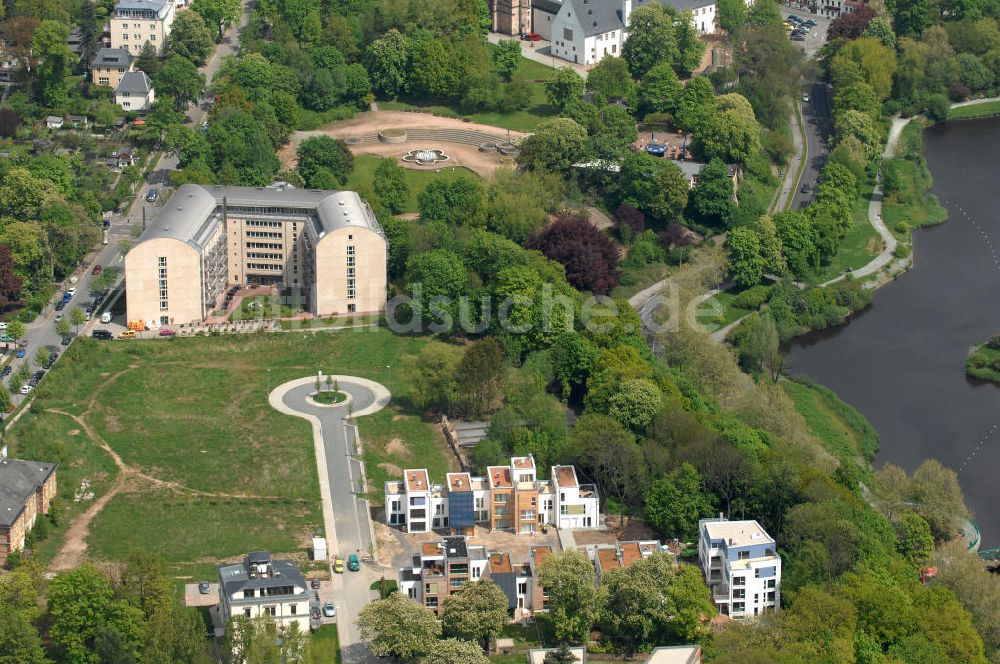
[509, 498]
[741, 565]
[260, 586]
[515, 579]
[441, 569]
[135, 23]
[539, 598]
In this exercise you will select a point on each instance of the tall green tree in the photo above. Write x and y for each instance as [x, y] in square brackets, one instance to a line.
[323, 153]
[180, 79]
[432, 376]
[19, 640]
[696, 110]
[746, 264]
[387, 60]
[713, 197]
[690, 46]
[399, 627]
[731, 15]
[190, 37]
[609, 80]
[389, 185]
[564, 86]
[48, 47]
[479, 376]
[454, 651]
[507, 58]
[555, 146]
[477, 614]
[660, 90]
[575, 603]
[734, 133]
[220, 13]
[651, 40]
[675, 503]
[655, 186]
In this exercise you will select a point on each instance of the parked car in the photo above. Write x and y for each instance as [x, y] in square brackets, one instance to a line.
[3, 326]
[204, 588]
[805, 98]
[67, 340]
[70, 292]
[167, 333]
[353, 562]
[6, 371]
[53, 356]
[338, 565]
[805, 189]
[792, 18]
[96, 271]
[531, 36]
[60, 305]
[314, 584]
[329, 610]
[809, 23]
[152, 195]
[106, 317]
[25, 389]
[127, 334]
[798, 36]
[59, 316]
[103, 335]
[21, 352]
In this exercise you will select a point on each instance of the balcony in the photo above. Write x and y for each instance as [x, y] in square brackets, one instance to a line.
[720, 592]
[588, 491]
[432, 570]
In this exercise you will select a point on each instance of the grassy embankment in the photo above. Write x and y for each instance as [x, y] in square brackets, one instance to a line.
[843, 431]
[908, 203]
[526, 120]
[987, 109]
[214, 471]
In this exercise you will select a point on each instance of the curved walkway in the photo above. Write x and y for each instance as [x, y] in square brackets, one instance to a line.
[346, 516]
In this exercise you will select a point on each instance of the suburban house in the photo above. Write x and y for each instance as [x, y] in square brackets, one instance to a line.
[259, 586]
[328, 245]
[442, 568]
[135, 23]
[27, 489]
[54, 122]
[508, 498]
[741, 565]
[134, 92]
[109, 65]
[122, 159]
[675, 655]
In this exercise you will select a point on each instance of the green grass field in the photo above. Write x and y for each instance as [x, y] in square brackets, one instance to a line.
[719, 310]
[842, 430]
[324, 646]
[525, 120]
[984, 110]
[221, 471]
[984, 363]
[363, 175]
[860, 245]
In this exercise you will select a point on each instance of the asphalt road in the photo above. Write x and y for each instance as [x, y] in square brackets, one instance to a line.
[350, 512]
[818, 127]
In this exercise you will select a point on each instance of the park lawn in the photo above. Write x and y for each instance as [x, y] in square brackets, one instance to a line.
[981, 363]
[984, 110]
[856, 249]
[718, 311]
[324, 646]
[635, 280]
[914, 204]
[194, 411]
[526, 120]
[363, 176]
[842, 430]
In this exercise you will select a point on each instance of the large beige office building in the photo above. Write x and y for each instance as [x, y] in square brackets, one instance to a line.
[326, 245]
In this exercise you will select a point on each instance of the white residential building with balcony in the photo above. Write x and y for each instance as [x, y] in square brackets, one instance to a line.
[741, 566]
[259, 586]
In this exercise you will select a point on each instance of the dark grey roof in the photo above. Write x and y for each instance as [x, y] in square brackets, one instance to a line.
[550, 6]
[158, 7]
[235, 578]
[455, 547]
[190, 215]
[112, 57]
[597, 16]
[680, 5]
[18, 482]
[135, 81]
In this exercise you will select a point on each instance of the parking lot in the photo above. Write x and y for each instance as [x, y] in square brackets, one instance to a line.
[816, 36]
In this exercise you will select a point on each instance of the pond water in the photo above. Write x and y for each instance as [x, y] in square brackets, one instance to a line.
[901, 362]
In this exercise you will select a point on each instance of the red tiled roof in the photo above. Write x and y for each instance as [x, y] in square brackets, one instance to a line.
[500, 563]
[500, 476]
[566, 476]
[523, 462]
[416, 480]
[541, 553]
[459, 482]
[608, 558]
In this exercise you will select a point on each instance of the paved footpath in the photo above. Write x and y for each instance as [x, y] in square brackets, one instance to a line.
[346, 516]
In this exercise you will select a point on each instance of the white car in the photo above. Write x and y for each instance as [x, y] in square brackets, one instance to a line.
[26, 388]
[805, 98]
[3, 326]
[329, 610]
[71, 291]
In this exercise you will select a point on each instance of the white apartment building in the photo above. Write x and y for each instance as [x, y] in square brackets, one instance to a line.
[136, 22]
[259, 586]
[741, 566]
[509, 498]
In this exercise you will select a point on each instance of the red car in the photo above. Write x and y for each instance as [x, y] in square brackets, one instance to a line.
[531, 36]
[96, 271]
[167, 333]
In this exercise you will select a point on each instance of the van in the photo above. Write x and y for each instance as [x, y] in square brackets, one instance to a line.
[104, 335]
[106, 317]
[127, 334]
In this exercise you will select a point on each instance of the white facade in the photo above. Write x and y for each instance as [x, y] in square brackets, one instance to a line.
[135, 92]
[741, 566]
[135, 23]
[259, 586]
[573, 505]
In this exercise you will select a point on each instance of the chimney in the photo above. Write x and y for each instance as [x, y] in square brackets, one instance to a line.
[626, 12]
